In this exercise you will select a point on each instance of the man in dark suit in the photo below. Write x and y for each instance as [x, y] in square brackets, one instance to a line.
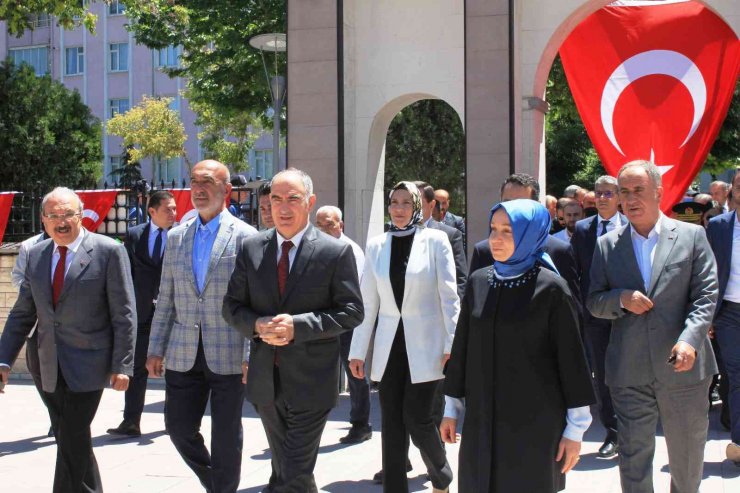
[145, 246]
[78, 286]
[294, 291]
[523, 186]
[597, 331]
[443, 199]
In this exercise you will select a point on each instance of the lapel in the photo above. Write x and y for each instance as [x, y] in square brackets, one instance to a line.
[225, 230]
[383, 265]
[46, 275]
[416, 256]
[593, 236]
[626, 260]
[79, 264]
[729, 231]
[267, 266]
[666, 241]
[142, 246]
[188, 238]
[302, 259]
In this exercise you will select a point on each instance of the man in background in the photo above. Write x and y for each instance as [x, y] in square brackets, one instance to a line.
[263, 194]
[720, 191]
[572, 213]
[446, 217]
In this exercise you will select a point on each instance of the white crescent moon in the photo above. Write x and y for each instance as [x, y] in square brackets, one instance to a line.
[90, 214]
[654, 62]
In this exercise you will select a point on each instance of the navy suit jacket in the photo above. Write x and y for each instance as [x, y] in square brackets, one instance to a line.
[719, 233]
[458, 250]
[145, 272]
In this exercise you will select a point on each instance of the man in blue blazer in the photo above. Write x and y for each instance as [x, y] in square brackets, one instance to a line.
[597, 331]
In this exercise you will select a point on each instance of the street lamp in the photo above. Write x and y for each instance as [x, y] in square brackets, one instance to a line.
[273, 43]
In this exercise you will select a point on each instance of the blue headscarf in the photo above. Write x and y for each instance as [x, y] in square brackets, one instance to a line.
[530, 224]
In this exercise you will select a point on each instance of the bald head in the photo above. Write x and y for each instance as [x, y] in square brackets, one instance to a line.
[329, 220]
[210, 185]
[443, 199]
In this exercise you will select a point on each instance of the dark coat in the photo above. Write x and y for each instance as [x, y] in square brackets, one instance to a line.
[145, 272]
[720, 236]
[518, 361]
[458, 250]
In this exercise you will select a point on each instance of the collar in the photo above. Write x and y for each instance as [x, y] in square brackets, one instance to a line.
[613, 220]
[154, 227]
[653, 232]
[296, 239]
[426, 223]
[213, 224]
[75, 245]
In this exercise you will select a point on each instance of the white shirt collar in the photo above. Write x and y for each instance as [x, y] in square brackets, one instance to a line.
[653, 232]
[72, 247]
[296, 239]
[614, 219]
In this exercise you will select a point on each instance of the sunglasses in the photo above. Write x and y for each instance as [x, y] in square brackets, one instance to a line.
[607, 195]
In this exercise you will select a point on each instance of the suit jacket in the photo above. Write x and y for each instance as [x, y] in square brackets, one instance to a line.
[458, 223]
[720, 234]
[458, 250]
[92, 332]
[429, 310]
[683, 288]
[322, 294]
[145, 272]
[183, 314]
[560, 252]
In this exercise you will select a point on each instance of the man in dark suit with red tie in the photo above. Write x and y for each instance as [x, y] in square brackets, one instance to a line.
[294, 291]
[145, 246]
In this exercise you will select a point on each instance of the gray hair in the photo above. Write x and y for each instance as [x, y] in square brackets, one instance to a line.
[649, 168]
[720, 182]
[570, 191]
[61, 191]
[307, 182]
[330, 209]
[606, 180]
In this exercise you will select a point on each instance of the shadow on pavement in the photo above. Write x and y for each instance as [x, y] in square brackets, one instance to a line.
[144, 439]
[592, 462]
[25, 445]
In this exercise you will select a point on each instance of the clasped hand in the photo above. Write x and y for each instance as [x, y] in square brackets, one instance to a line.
[277, 330]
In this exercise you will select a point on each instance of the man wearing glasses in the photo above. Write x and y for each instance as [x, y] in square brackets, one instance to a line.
[597, 331]
[78, 285]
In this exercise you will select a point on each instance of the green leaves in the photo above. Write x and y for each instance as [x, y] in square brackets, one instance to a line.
[69, 14]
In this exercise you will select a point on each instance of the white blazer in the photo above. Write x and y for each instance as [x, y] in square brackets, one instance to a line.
[430, 305]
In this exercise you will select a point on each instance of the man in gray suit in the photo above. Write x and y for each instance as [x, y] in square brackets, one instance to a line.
[656, 279]
[205, 357]
[78, 285]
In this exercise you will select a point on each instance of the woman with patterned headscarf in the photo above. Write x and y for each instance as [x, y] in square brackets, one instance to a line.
[519, 364]
[409, 286]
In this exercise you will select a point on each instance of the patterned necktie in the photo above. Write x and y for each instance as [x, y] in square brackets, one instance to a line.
[157, 252]
[604, 224]
[57, 282]
[284, 266]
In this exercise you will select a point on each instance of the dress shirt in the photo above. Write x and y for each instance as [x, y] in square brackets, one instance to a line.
[205, 237]
[71, 251]
[645, 250]
[359, 254]
[153, 232]
[614, 223]
[296, 240]
[732, 292]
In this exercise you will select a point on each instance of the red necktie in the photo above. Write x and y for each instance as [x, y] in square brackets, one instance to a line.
[284, 266]
[57, 282]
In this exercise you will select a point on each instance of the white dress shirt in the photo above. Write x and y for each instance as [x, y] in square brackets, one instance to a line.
[645, 250]
[71, 251]
[614, 223]
[296, 239]
[732, 292]
[359, 254]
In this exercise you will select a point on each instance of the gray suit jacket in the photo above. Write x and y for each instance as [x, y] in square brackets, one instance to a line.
[92, 331]
[182, 313]
[683, 288]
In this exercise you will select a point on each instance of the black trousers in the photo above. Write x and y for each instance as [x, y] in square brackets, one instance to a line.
[34, 368]
[187, 394]
[597, 333]
[72, 413]
[409, 408]
[294, 437]
[136, 392]
[359, 388]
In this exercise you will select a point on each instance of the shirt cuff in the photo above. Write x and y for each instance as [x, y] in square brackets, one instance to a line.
[578, 420]
[4, 365]
[454, 407]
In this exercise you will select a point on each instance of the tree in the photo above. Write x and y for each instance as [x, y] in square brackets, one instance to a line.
[69, 14]
[725, 153]
[150, 129]
[129, 172]
[426, 142]
[47, 134]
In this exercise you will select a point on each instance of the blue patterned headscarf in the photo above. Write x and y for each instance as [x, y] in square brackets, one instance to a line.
[530, 224]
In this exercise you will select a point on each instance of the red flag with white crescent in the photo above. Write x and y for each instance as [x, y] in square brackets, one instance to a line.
[183, 202]
[653, 81]
[96, 204]
[6, 202]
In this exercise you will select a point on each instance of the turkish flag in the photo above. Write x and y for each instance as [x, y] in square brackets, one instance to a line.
[182, 201]
[97, 203]
[653, 82]
[6, 202]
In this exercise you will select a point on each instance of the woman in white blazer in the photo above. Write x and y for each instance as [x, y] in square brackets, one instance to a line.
[409, 286]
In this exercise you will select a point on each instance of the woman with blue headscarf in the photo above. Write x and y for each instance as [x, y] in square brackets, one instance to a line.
[519, 364]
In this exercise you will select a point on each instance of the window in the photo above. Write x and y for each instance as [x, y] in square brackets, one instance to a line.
[116, 8]
[37, 58]
[169, 170]
[118, 57]
[169, 57]
[174, 104]
[118, 106]
[75, 61]
[40, 20]
[115, 163]
[263, 164]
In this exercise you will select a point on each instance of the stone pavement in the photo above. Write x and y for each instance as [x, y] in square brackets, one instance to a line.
[151, 464]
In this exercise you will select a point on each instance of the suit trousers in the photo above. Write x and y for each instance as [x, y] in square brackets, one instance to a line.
[597, 333]
[34, 368]
[72, 413]
[359, 388]
[136, 392]
[294, 436]
[187, 394]
[683, 412]
[409, 408]
[727, 333]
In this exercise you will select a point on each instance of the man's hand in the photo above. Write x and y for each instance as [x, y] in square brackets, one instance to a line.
[569, 452]
[155, 366]
[711, 331]
[279, 331]
[448, 430]
[635, 302]
[445, 359]
[245, 369]
[4, 374]
[119, 381]
[263, 325]
[357, 367]
[685, 356]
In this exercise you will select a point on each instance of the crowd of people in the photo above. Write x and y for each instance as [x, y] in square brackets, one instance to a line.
[593, 298]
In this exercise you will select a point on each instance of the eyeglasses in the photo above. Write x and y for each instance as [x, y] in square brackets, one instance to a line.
[61, 217]
[607, 194]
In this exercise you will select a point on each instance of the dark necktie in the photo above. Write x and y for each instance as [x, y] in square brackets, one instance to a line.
[604, 224]
[157, 252]
[57, 282]
[284, 266]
